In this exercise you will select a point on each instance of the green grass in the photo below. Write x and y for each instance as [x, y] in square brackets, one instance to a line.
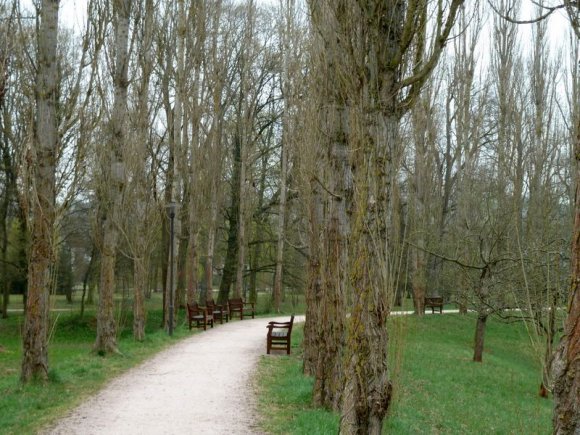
[438, 389]
[74, 371]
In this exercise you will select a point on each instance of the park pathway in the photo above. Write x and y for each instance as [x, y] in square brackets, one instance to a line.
[201, 385]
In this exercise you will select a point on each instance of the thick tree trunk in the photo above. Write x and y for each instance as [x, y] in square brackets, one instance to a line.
[368, 390]
[330, 340]
[314, 286]
[42, 202]
[106, 341]
[566, 365]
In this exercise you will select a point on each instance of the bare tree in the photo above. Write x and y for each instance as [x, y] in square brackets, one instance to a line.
[42, 159]
[113, 183]
[376, 81]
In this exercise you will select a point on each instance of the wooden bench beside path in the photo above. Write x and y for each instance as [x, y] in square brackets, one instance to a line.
[279, 336]
[237, 305]
[434, 302]
[199, 315]
[219, 312]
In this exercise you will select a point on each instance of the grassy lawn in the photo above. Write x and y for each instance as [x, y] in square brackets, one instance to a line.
[438, 389]
[75, 372]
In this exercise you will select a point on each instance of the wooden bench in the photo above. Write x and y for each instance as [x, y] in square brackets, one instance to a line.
[219, 312]
[279, 335]
[199, 315]
[434, 302]
[237, 305]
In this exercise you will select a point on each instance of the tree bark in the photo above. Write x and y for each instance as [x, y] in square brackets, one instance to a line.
[479, 337]
[42, 203]
[140, 283]
[566, 364]
[106, 341]
[230, 263]
[314, 286]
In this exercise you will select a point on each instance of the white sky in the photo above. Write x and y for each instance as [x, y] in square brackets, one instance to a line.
[73, 13]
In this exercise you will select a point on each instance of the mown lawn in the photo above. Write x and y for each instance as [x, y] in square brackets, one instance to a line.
[75, 371]
[438, 389]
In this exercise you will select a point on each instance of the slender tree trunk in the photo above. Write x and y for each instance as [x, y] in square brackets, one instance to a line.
[231, 253]
[277, 293]
[288, 26]
[140, 282]
[42, 202]
[86, 276]
[239, 285]
[106, 341]
[230, 263]
[4, 253]
[210, 246]
[141, 248]
[482, 315]
[479, 336]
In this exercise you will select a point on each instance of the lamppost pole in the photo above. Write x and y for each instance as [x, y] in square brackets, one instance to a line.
[171, 256]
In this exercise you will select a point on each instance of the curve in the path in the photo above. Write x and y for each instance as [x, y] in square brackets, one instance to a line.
[201, 385]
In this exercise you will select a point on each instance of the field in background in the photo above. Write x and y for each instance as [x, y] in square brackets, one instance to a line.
[438, 389]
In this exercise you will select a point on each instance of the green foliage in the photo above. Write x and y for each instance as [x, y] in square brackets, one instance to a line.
[438, 389]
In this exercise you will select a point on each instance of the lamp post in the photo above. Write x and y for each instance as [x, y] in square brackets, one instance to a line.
[171, 210]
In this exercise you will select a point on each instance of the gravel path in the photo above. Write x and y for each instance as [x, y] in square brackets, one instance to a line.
[202, 385]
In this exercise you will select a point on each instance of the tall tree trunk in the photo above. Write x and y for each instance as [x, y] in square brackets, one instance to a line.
[277, 292]
[210, 243]
[42, 202]
[329, 372]
[140, 278]
[141, 247]
[367, 390]
[288, 13]
[328, 266]
[106, 341]
[230, 263]
[315, 284]
[239, 285]
[566, 364]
